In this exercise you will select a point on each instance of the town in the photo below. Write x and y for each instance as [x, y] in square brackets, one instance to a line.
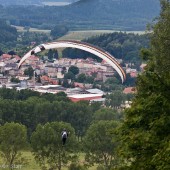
[48, 77]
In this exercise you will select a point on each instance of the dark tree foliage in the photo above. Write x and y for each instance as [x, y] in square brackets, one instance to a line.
[69, 75]
[61, 96]
[7, 33]
[29, 37]
[55, 54]
[16, 80]
[120, 45]
[29, 72]
[74, 70]
[30, 108]
[13, 94]
[81, 78]
[1, 52]
[50, 54]
[100, 144]
[145, 131]
[58, 31]
[65, 83]
[76, 53]
[12, 53]
[13, 139]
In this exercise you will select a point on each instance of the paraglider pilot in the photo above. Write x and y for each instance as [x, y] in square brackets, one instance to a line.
[64, 136]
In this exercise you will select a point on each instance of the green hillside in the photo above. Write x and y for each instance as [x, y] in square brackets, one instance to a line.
[7, 33]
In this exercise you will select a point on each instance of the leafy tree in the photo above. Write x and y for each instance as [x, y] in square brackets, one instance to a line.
[6, 93]
[26, 93]
[13, 94]
[61, 94]
[75, 166]
[63, 70]
[67, 111]
[47, 145]
[29, 71]
[115, 99]
[74, 70]
[129, 97]
[111, 84]
[50, 54]
[145, 131]
[13, 139]
[49, 97]
[69, 75]
[100, 144]
[58, 31]
[55, 54]
[81, 78]
[95, 106]
[104, 114]
[130, 81]
[65, 83]
[8, 33]
[1, 52]
[16, 80]
[12, 52]
[90, 79]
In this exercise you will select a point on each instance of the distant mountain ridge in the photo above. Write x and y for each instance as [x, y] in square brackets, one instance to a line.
[31, 2]
[88, 14]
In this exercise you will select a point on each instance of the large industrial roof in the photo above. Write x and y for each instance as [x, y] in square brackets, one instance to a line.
[80, 96]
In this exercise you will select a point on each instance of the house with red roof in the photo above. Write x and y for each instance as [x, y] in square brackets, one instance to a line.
[47, 80]
[32, 60]
[6, 57]
[129, 90]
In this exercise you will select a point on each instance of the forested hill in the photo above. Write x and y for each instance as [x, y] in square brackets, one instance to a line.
[87, 14]
[121, 45]
[121, 13]
[7, 33]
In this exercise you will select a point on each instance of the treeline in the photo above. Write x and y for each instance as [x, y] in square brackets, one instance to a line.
[121, 45]
[31, 108]
[7, 33]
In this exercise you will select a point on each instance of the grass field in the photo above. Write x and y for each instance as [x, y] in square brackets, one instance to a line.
[32, 165]
[21, 29]
[80, 35]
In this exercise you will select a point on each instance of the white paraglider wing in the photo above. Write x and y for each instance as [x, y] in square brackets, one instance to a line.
[79, 45]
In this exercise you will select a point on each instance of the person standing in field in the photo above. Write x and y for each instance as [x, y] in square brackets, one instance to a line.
[64, 136]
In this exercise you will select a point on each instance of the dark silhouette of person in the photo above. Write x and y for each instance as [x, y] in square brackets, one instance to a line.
[64, 136]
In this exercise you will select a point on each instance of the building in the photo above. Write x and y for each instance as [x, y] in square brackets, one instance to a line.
[84, 97]
[129, 90]
[3, 80]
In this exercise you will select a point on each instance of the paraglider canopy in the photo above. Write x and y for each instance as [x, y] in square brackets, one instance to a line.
[79, 45]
